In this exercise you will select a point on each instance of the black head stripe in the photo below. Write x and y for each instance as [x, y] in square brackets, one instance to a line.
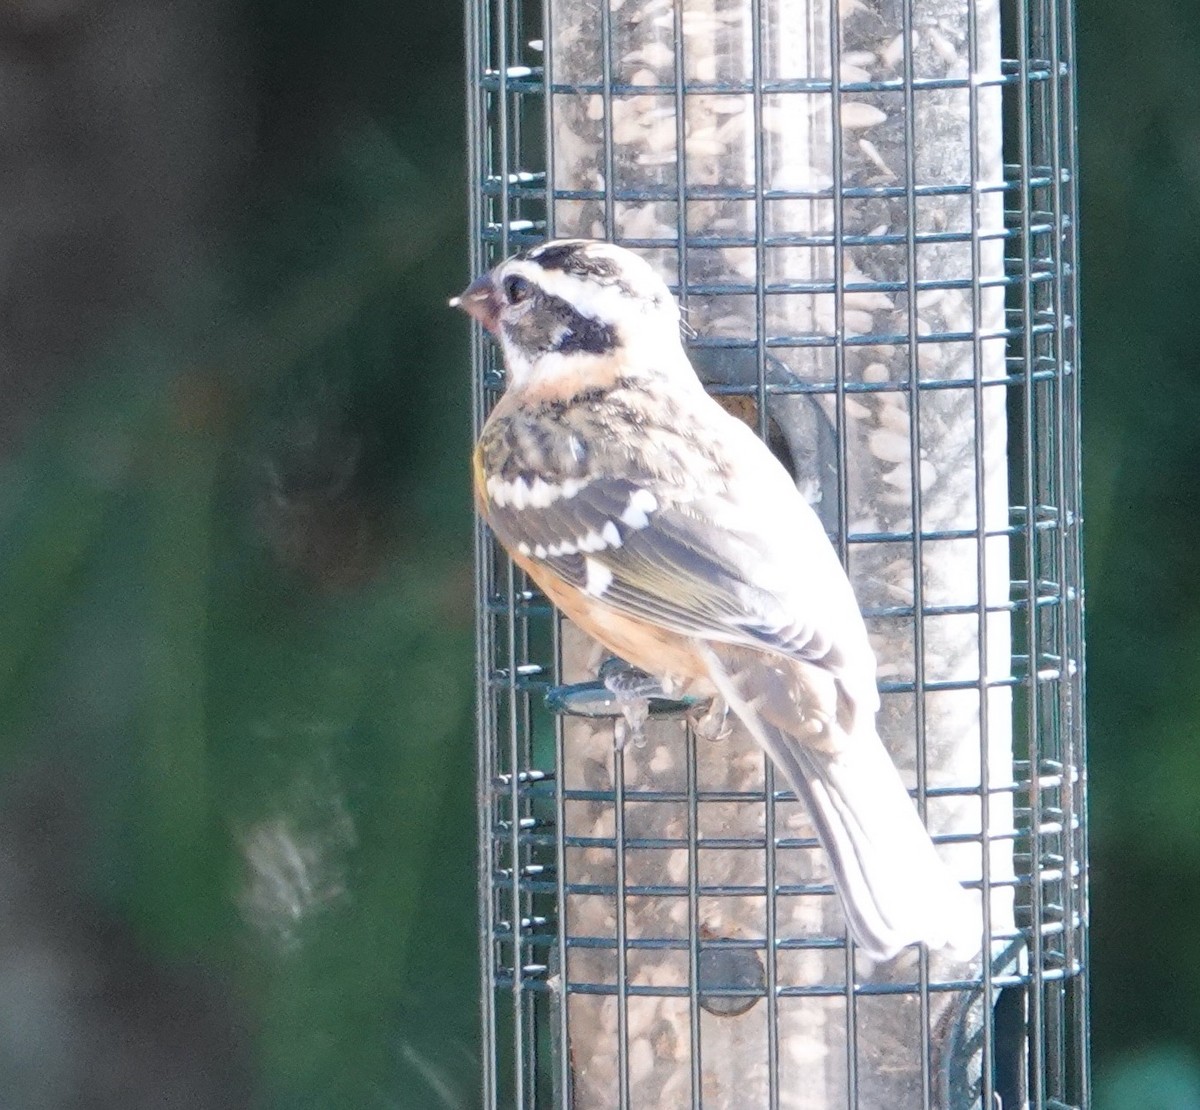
[554, 324]
[588, 335]
[573, 258]
[579, 260]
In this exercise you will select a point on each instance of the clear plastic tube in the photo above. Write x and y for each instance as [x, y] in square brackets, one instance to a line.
[825, 189]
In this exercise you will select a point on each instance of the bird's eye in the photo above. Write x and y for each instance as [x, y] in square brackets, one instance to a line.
[517, 288]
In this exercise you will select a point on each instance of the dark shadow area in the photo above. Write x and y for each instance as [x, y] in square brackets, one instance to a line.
[235, 647]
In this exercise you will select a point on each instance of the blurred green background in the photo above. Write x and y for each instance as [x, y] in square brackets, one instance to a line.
[237, 825]
[1140, 175]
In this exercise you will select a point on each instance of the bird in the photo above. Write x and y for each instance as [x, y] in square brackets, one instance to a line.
[663, 526]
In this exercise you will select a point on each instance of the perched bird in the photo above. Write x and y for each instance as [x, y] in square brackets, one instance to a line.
[663, 526]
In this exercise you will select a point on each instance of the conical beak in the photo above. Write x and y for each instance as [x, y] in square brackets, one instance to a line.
[480, 300]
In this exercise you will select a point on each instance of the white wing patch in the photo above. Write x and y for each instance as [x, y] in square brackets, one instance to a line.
[598, 577]
[538, 494]
[637, 513]
[606, 538]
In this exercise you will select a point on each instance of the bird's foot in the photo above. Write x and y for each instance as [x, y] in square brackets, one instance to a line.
[713, 723]
[632, 690]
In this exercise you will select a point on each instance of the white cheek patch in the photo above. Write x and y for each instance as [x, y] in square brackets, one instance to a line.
[637, 513]
[598, 577]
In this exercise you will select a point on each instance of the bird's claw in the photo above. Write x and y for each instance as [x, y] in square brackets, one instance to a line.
[713, 723]
[632, 689]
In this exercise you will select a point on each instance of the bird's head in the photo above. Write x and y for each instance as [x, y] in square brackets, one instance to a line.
[570, 300]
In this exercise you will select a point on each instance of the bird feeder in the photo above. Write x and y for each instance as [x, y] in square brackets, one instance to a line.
[867, 211]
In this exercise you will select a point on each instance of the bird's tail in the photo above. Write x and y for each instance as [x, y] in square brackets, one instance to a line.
[894, 887]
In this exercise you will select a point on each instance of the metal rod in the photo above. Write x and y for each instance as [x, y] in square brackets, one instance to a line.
[621, 893]
[987, 1048]
[760, 372]
[476, 155]
[918, 561]
[1037, 1062]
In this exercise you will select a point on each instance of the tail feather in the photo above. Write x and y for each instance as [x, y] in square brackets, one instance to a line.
[894, 887]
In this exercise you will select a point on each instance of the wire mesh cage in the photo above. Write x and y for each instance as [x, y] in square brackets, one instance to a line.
[867, 210]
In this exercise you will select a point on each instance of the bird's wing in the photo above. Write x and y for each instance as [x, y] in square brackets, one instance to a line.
[727, 564]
